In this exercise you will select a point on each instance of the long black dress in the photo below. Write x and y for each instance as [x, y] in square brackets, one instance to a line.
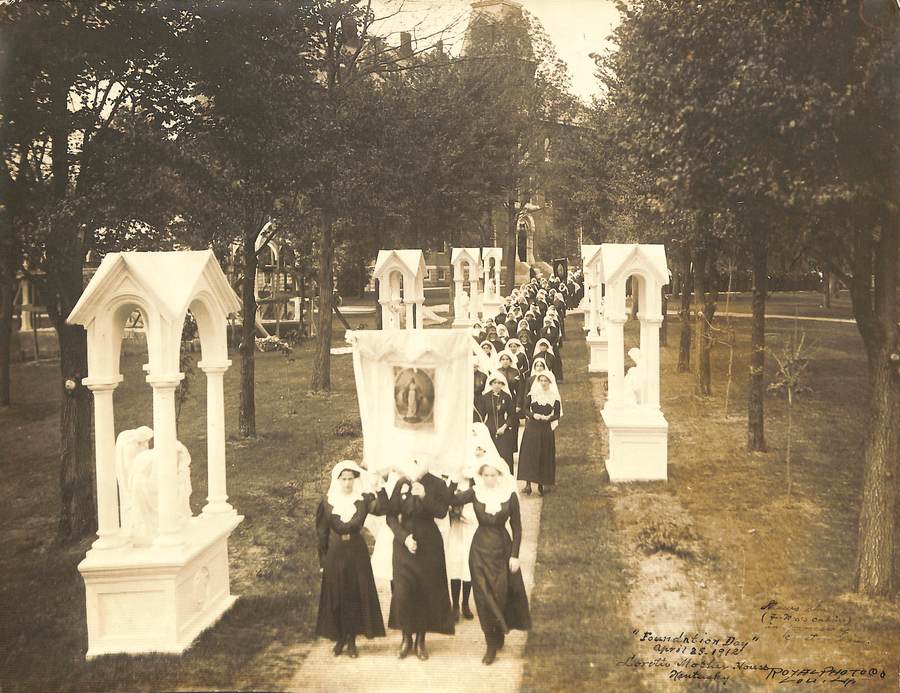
[480, 380]
[348, 602]
[420, 601]
[514, 380]
[500, 410]
[537, 453]
[500, 597]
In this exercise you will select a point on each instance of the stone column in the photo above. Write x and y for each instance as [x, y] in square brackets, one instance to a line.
[217, 496]
[601, 310]
[475, 298]
[25, 325]
[108, 536]
[650, 354]
[588, 299]
[410, 317]
[166, 462]
[594, 303]
[458, 280]
[420, 315]
[616, 374]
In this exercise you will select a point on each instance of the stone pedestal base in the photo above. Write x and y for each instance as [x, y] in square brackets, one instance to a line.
[154, 599]
[490, 307]
[463, 322]
[638, 444]
[599, 347]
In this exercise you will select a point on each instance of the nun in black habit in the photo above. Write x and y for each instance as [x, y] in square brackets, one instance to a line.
[420, 602]
[348, 602]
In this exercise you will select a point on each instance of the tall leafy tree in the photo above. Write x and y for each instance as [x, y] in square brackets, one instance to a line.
[252, 73]
[73, 70]
[779, 120]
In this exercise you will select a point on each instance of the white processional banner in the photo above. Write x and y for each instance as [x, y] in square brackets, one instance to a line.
[415, 396]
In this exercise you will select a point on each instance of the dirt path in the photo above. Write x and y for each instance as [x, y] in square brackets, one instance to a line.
[671, 595]
[455, 662]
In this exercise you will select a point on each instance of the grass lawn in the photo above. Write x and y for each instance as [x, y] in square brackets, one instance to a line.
[275, 481]
[748, 544]
[580, 625]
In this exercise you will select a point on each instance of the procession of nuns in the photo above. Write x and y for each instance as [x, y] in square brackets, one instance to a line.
[440, 540]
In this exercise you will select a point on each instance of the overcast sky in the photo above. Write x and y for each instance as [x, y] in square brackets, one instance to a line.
[576, 27]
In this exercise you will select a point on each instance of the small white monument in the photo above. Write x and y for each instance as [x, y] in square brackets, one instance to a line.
[638, 431]
[587, 252]
[466, 273]
[491, 299]
[595, 326]
[156, 576]
[401, 291]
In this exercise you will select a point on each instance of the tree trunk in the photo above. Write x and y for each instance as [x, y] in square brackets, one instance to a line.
[301, 306]
[321, 375]
[512, 248]
[7, 296]
[247, 414]
[878, 327]
[664, 328]
[78, 516]
[875, 558]
[826, 289]
[64, 264]
[684, 312]
[703, 338]
[379, 318]
[756, 391]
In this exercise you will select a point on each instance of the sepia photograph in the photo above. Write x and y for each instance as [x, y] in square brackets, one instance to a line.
[413, 346]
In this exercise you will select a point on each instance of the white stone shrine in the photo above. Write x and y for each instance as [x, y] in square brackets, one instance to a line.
[157, 575]
[638, 431]
[401, 289]
[587, 252]
[594, 324]
[491, 298]
[466, 264]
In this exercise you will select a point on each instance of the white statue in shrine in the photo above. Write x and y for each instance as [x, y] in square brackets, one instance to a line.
[489, 282]
[635, 378]
[601, 327]
[142, 495]
[463, 303]
[129, 444]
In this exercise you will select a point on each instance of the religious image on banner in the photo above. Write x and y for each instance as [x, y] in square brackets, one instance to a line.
[413, 397]
[561, 267]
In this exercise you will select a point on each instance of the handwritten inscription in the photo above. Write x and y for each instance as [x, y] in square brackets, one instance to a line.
[711, 660]
[808, 622]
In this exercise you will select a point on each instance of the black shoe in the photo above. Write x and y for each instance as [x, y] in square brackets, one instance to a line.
[351, 649]
[490, 655]
[421, 652]
[405, 646]
[456, 614]
[467, 612]
[338, 648]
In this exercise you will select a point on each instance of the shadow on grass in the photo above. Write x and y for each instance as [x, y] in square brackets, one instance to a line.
[579, 601]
